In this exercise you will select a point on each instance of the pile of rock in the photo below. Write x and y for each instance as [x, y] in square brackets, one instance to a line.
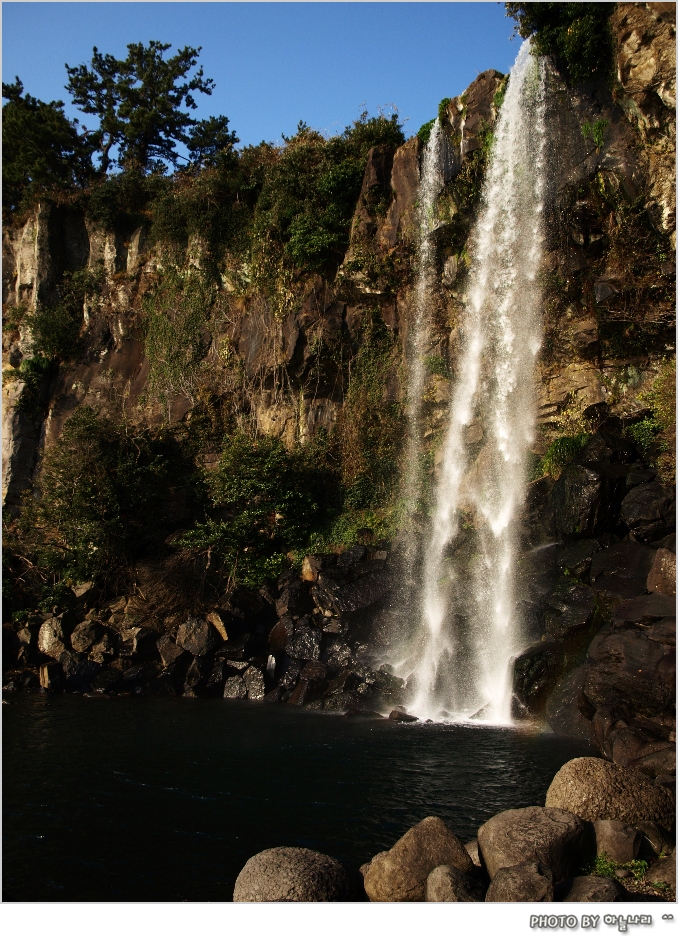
[602, 599]
[538, 853]
[299, 643]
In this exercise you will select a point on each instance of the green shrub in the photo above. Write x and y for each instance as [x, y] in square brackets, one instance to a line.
[561, 452]
[595, 131]
[96, 504]
[55, 330]
[435, 364]
[607, 867]
[442, 108]
[578, 34]
[643, 433]
[274, 499]
[424, 132]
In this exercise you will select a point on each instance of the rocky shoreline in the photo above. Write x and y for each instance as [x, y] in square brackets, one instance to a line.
[606, 834]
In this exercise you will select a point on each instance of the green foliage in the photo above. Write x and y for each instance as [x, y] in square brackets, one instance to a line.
[210, 143]
[273, 500]
[606, 867]
[371, 430]
[55, 330]
[643, 434]
[139, 100]
[442, 108]
[595, 131]
[578, 34]
[435, 364]
[95, 506]
[500, 94]
[176, 315]
[42, 150]
[424, 132]
[561, 452]
[123, 200]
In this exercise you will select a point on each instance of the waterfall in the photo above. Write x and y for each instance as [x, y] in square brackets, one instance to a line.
[469, 628]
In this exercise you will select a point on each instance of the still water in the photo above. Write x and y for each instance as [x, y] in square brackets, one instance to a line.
[166, 799]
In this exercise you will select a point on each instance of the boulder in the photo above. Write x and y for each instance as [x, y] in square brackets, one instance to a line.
[646, 609]
[618, 841]
[596, 789]
[555, 838]
[655, 840]
[450, 885]
[78, 670]
[622, 570]
[570, 611]
[294, 599]
[590, 889]
[336, 652]
[168, 650]
[575, 558]
[662, 576]
[663, 871]
[85, 635]
[649, 511]
[51, 638]
[290, 875]
[254, 681]
[527, 881]
[281, 634]
[626, 665]
[198, 637]
[235, 688]
[140, 642]
[537, 671]
[473, 852]
[306, 641]
[576, 501]
[400, 874]
[566, 705]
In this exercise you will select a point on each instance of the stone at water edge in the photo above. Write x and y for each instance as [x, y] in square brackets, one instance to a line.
[291, 875]
[590, 889]
[618, 841]
[597, 789]
[400, 874]
[527, 881]
[235, 688]
[558, 840]
[51, 638]
[450, 885]
[663, 871]
[198, 637]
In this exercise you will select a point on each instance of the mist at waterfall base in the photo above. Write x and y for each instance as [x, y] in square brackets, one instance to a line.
[457, 662]
[166, 799]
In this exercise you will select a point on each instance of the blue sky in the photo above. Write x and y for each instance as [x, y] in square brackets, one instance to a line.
[276, 63]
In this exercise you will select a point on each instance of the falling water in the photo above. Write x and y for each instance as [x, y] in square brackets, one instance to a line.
[432, 180]
[469, 625]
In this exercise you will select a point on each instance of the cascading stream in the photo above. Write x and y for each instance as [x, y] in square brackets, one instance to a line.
[469, 626]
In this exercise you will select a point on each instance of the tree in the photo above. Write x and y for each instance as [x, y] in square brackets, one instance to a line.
[41, 148]
[210, 142]
[139, 102]
[577, 34]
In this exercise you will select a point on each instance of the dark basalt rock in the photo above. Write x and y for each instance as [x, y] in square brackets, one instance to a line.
[305, 642]
[625, 665]
[649, 511]
[294, 600]
[537, 670]
[85, 635]
[570, 612]
[567, 707]
[78, 670]
[198, 637]
[235, 688]
[580, 502]
[621, 571]
[651, 610]
[168, 650]
[576, 557]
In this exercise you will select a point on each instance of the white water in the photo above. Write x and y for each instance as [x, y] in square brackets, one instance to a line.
[469, 628]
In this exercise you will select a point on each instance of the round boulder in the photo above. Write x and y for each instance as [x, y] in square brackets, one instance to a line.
[524, 882]
[446, 884]
[590, 889]
[555, 838]
[597, 789]
[401, 873]
[289, 875]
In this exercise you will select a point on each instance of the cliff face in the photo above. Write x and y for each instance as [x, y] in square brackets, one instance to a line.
[164, 341]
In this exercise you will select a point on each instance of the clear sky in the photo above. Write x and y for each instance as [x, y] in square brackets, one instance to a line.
[276, 63]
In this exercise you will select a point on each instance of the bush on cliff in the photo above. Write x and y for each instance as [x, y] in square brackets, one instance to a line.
[268, 501]
[577, 34]
[96, 505]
